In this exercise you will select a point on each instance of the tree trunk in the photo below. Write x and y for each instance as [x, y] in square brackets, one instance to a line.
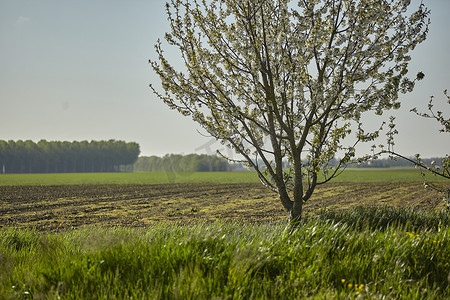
[295, 214]
[294, 208]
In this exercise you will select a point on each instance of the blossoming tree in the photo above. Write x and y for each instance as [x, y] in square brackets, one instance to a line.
[285, 83]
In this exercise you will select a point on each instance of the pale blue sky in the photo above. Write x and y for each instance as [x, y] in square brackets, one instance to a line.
[78, 70]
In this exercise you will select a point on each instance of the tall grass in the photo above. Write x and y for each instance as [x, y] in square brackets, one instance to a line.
[382, 217]
[326, 257]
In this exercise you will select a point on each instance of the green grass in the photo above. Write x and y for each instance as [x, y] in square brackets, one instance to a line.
[127, 178]
[384, 175]
[324, 258]
[350, 175]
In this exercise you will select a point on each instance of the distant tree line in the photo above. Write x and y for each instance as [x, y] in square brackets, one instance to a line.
[381, 163]
[389, 163]
[181, 163]
[177, 163]
[66, 157]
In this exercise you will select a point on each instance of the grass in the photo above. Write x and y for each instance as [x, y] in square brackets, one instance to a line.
[326, 257]
[127, 178]
[350, 175]
[367, 252]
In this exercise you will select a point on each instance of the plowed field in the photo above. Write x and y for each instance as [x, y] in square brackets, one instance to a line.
[70, 206]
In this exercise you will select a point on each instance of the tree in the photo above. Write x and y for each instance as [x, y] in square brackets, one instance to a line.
[442, 169]
[282, 82]
[5, 155]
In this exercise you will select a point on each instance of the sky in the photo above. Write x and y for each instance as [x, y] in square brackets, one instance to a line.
[78, 70]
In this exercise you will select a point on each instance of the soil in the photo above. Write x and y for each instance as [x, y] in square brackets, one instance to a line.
[53, 208]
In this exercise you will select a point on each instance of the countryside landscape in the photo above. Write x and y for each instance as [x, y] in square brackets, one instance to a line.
[220, 234]
[53, 203]
[311, 180]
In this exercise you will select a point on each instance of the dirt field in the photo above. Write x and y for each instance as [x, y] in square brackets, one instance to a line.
[65, 207]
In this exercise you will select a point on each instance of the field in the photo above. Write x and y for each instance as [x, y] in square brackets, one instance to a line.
[350, 175]
[66, 201]
[56, 207]
[370, 235]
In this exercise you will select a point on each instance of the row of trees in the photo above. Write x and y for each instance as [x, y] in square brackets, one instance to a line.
[389, 162]
[181, 163]
[176, 163]
[66, 157]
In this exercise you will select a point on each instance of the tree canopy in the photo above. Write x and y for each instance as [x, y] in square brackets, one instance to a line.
[280, 80]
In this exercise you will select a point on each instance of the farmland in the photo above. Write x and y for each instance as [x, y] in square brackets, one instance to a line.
[66, 201]
[72, 206]
[219, 235]
[350, 175]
